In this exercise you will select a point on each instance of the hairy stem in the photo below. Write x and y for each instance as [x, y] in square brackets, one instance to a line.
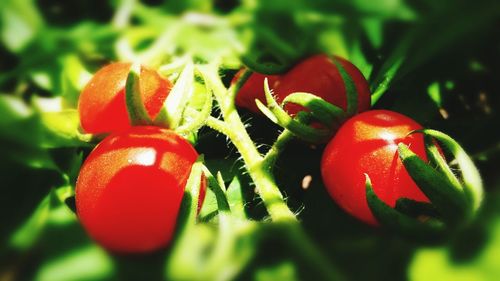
[234, 129]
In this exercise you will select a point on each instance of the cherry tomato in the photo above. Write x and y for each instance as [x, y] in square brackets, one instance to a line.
[319, 75]
[253, 89]
[130, 188]
[102, 106]
[367, 143]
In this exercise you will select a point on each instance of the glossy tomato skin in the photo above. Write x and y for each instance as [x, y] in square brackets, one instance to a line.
[253, 89]
[319, 75]
[130, 188]
[367, 143]
[102, 106]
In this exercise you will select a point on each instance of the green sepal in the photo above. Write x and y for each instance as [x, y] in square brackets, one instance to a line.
[448, 200]
[176, 102]
[350, 89]
[188, 211]
[218, 188]
[472, 182]
[135, 105]
[279, 116]
[429, 231]
[327, 113]
[414, 208]
[436, 159]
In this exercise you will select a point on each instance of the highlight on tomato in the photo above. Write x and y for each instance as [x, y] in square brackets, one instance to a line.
[130, 188]
[368, 144]
[102, 106]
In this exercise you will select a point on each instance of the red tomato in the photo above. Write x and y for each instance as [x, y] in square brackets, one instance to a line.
[367, 143]
[102, 104]
[253, 89]
[320, 76]
[130, 188]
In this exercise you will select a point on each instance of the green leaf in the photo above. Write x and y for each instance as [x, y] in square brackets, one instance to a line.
[21, 131]
[26, 235]
[282, 271]
[438, 264]
[189, 254]
[448, 200]
[74, 78]
[86, 263]
[397, 221]
[21, 22]
[435, 94]
[62, 129]
[384, 79]
[472, 182]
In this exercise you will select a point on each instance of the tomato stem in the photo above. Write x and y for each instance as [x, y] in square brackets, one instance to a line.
[235, 88]
[235, 130]
[278, 147]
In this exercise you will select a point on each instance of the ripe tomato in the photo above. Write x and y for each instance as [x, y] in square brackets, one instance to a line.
[253, 89]
[367, 143]
[319, 75]
[102, 106]
[130, 188]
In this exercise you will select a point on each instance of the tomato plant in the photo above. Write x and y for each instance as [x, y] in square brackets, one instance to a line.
[368, 144]
[102, 105]
[130, 188]
[264, 187]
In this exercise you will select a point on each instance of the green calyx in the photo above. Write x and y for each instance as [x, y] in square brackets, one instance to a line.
[135, 105]
[317, 110]
[455, 197]
[178, 111]
[299, 125]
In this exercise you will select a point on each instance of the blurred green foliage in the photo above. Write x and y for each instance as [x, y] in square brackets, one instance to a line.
[436, 61]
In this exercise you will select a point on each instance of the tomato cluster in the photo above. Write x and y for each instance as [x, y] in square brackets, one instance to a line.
[131, 185]
[365, 144]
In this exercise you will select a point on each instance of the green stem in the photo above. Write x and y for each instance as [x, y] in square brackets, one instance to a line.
[259, 169]
[234, 129]
[234, 89]
[122, 15]
[278, 147]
